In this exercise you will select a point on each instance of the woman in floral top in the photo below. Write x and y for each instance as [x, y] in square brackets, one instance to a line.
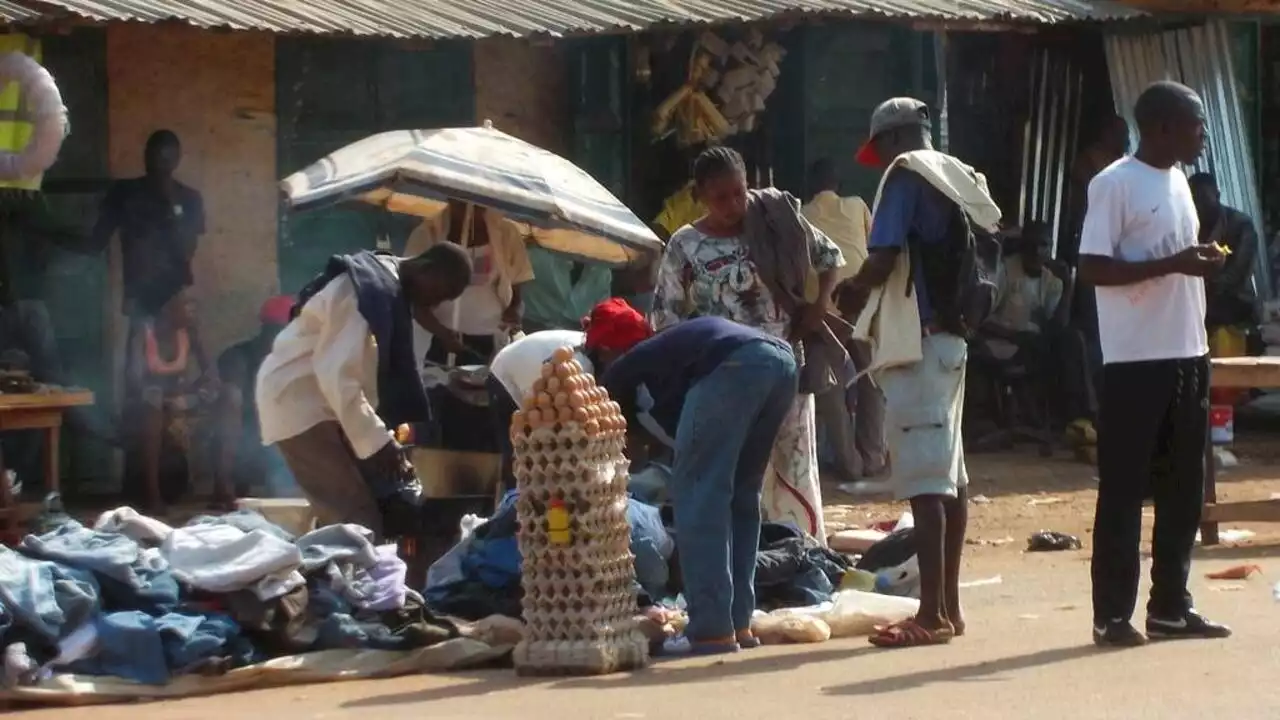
[707, 270]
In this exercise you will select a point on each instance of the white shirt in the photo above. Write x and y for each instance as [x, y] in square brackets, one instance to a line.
[478, 311]
[1138, 213]
[519, 364]
[323, 367]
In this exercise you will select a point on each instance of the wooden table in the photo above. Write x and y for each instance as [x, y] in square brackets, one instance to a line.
[39, 411]
[1250, 372]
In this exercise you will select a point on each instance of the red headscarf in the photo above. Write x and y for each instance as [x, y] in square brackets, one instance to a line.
[275, 311]
[615, 325]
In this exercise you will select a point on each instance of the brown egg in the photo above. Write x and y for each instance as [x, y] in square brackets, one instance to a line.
[614, 408]
[554, 385]
[544, 400]
[534, 417]
[577, 399]
[562, 370]
[564, 414]
[548, 370]
[576, 366]
[530, 402]
[581, 415]
[563, 354]
[562, 399]
[592, 427]
[539, 385]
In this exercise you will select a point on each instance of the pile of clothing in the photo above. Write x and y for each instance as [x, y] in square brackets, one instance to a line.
[480, 576]
[135, 598]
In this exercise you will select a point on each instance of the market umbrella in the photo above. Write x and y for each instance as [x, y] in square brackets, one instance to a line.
[414, 171]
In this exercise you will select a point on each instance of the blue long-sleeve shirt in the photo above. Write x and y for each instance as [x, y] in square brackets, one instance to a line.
[653, 378]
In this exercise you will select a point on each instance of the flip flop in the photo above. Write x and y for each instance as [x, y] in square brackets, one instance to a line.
[682, 645]
[909, 633]
[747, 640]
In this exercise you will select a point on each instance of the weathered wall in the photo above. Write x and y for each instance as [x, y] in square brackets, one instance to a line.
[521, 87]
[217, 92]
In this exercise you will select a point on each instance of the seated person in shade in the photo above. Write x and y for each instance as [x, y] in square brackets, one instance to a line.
[176, 403]
[1028, 326]
[717, 392]
[1229, 293]
[237, 370]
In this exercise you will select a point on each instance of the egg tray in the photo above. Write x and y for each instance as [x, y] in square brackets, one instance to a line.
[579, 596]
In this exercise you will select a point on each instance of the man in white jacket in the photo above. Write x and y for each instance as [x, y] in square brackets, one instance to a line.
[345, 373]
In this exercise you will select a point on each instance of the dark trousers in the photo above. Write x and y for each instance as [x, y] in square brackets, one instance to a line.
[501, 407]
[1152, 430]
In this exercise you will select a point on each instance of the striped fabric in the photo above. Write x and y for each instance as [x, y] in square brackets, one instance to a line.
[414, 171]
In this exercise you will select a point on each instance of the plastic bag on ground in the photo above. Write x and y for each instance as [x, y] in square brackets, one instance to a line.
[789, 628]
[855, 613]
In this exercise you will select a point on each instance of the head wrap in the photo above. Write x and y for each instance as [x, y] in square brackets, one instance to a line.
[615, 325]
[275, 311]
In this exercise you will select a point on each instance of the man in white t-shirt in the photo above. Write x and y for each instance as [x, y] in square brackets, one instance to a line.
[1139, 248]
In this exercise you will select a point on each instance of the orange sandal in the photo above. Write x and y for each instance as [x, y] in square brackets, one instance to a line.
[909, 633]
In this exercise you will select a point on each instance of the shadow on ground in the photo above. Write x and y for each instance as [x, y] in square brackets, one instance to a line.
[987, 671]
[660, 673]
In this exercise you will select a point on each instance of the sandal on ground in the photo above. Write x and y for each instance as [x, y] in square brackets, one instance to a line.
[909, 633]
[747, 640]
[681, 645]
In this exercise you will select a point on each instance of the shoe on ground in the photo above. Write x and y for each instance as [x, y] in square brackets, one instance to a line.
[1192, 625]
[1118, 634]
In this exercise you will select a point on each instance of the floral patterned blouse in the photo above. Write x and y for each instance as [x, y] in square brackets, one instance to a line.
[705, 275]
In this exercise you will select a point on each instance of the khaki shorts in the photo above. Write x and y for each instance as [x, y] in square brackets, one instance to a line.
[924, 405]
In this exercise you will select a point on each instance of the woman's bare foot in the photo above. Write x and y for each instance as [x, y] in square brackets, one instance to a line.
[956, 618]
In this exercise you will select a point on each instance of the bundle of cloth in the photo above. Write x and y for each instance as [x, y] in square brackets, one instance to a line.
[135, 598]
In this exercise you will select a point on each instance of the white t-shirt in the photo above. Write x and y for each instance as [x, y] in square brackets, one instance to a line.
[478, 309]
[1137, 213]
[517, 365]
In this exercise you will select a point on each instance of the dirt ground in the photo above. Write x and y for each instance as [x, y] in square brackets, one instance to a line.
[1027, 654]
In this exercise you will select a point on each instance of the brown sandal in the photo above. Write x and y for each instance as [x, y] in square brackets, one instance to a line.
[909, 633]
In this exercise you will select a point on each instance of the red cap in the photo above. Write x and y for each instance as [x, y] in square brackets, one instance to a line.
[615, 325]
[868, 155]
[276, 310]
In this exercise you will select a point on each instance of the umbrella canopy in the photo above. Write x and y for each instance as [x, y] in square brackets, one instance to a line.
[414, 171]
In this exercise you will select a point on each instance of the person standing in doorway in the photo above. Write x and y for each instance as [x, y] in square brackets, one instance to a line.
[852, 419]
[920, 353]
[1140, 249]
[159, 220]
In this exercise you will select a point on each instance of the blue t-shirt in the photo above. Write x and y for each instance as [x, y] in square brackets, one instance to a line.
[663, 368]
[910, 205]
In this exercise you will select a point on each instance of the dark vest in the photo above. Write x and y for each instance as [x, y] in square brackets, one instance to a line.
[383, 304]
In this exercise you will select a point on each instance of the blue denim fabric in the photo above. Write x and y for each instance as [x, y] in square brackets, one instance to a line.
[726, 431]
[652, 547]
[44, 598]
[151, 650]
[130, 577]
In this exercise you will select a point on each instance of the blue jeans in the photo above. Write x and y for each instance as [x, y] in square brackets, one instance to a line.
[726, 432]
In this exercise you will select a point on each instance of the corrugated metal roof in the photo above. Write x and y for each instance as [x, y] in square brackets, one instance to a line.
[481, 18]
[12, 13]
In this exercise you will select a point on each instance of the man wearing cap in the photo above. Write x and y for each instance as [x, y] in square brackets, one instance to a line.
[919, 357]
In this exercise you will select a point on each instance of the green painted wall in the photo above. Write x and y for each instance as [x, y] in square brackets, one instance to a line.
[334, 91]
